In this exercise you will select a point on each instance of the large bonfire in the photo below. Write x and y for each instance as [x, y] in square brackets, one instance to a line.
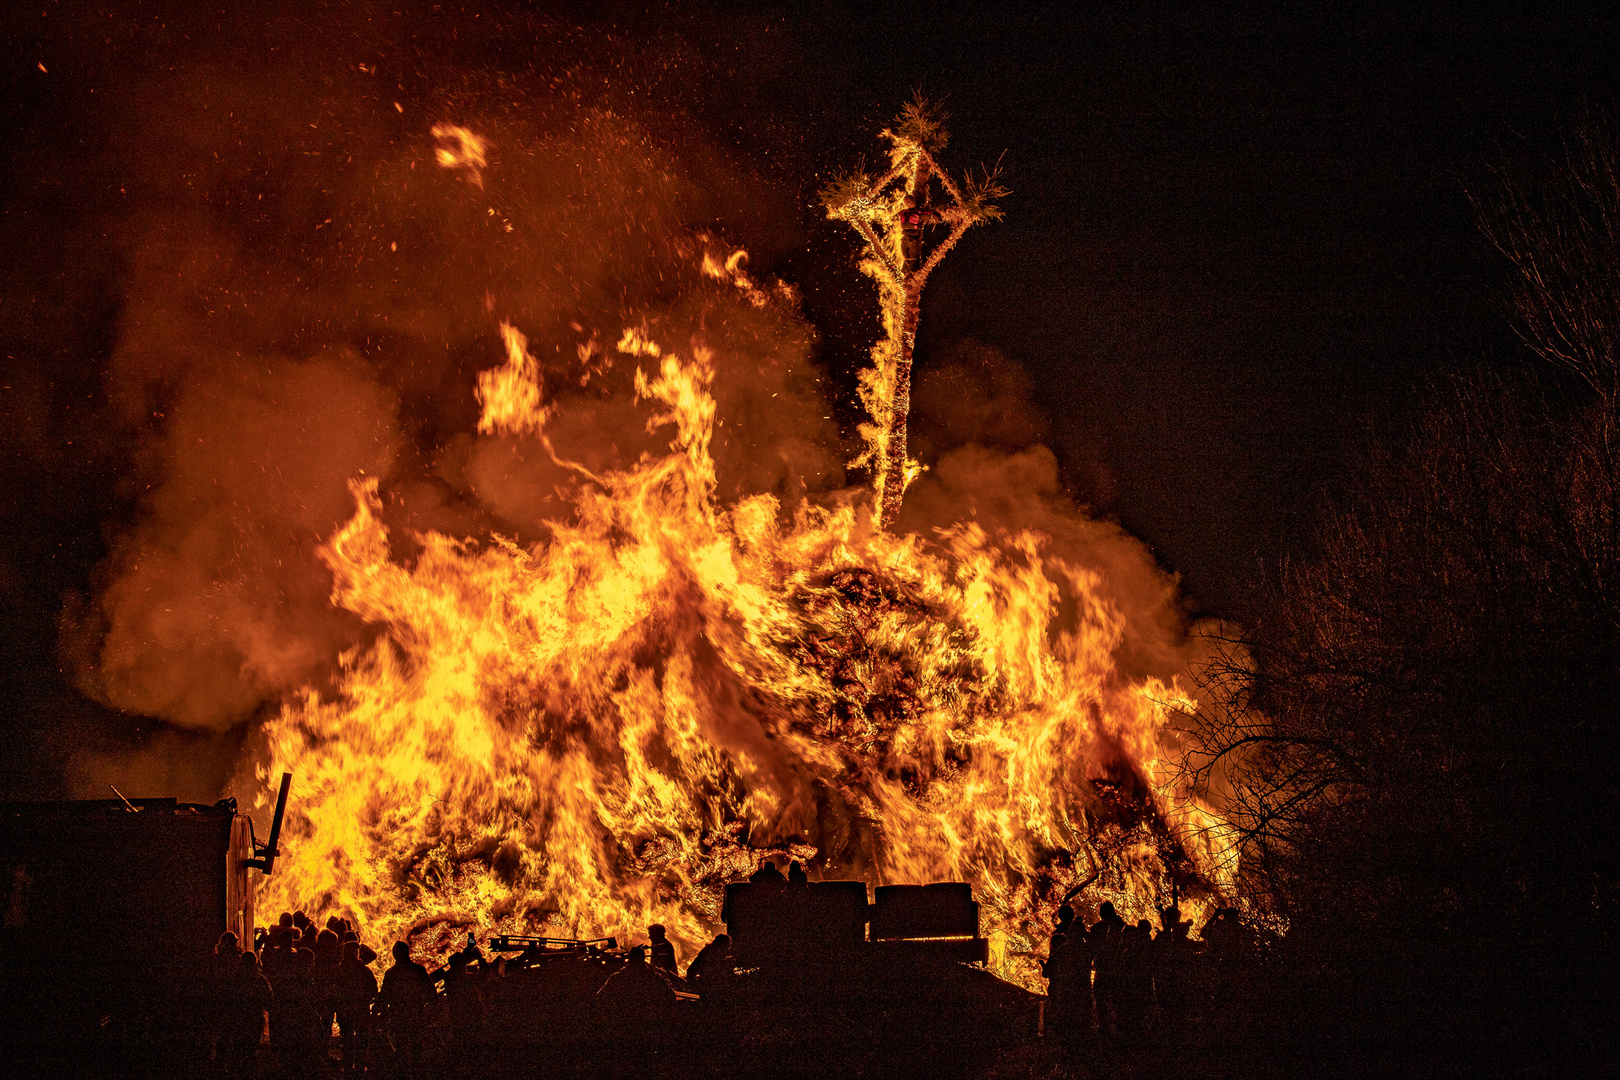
[599, 730]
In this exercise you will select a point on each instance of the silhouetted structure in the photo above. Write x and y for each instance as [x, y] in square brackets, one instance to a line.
[896, 979]
[113, 912]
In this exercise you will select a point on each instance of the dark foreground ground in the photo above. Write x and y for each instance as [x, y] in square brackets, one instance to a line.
[1521, 1015]
[1481, 1017]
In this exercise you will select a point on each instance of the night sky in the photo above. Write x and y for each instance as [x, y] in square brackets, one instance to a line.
[1234, 240]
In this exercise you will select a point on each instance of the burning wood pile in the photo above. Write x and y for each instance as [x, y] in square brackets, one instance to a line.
[603, 727]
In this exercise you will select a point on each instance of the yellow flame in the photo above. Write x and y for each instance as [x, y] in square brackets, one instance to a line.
[597, 732]
[461, 148]
[510, 394]
[731, 271]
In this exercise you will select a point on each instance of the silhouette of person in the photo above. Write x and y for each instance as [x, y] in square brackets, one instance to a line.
[1170, 960]
[711, 970]
[1065, 920]
[324, 991]
[472, 955]
[465, 1007]
[796, 874]
[355, 988]
[219, 981]
[1068, 974]
[276, 960]
[1223, 932]
[247, 1006]
[636, 1006]
[1062, 987]
[1105, 938]
[294, 1022]
[1134, 1001]
[662, 950]
[767, 874]
[403, 999]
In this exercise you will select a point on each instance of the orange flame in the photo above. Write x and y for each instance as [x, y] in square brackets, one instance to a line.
[597, 732]
[461, 148]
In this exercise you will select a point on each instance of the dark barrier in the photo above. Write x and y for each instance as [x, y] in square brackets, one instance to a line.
[942, 910]
[771, 922]
[136, 884]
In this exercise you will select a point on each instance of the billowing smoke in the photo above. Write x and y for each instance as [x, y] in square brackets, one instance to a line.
[315, 268]
[973, 393]
[980, 428]
[212, 605]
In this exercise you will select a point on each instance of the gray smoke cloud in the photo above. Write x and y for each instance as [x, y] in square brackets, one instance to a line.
[211, 606]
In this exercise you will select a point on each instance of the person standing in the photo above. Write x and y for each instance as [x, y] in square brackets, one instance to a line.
[1106, 945]
[711, 970]
[246, 1008]
[354, 988]
[662, 951]
[403, 1001]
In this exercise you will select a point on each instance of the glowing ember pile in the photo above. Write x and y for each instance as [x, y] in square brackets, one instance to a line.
[598, 731]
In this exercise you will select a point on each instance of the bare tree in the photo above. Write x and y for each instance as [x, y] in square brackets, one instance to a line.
[1416, 735]
[1557, 223]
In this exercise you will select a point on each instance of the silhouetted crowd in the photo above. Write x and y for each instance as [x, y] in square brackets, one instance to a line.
[287, 990]
[303, 1000]
[1115, 981]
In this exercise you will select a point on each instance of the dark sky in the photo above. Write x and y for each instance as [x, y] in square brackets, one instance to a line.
[1232, 237]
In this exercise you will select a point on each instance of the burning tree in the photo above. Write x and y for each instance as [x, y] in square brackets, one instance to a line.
[892, 214]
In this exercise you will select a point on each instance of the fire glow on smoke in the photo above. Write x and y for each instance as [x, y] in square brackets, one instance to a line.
[598, 730]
